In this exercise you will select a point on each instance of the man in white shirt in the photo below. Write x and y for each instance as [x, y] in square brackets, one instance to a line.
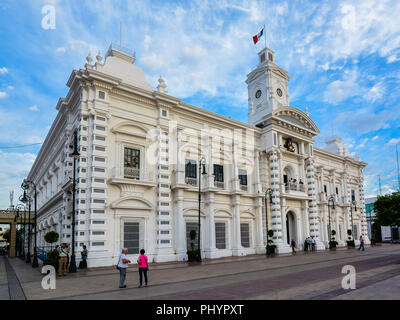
[122, 266]
[312, 243]
[63, 252]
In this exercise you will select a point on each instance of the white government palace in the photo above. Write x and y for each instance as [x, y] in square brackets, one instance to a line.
[138, 171]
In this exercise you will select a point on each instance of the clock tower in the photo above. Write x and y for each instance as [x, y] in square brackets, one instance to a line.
[268, 87]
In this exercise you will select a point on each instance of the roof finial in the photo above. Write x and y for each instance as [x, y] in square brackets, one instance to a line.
[306, 111]
[99, 57]
[89, 62]
[162, 86]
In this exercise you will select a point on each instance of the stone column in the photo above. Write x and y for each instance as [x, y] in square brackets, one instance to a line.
[313, 214]
[236, 239]
[276, 219]
[260, 247]
[363, 214]
[179, 232]
[210, 250]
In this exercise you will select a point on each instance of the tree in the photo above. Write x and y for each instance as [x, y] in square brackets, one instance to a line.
[51, 237]
[387, 210]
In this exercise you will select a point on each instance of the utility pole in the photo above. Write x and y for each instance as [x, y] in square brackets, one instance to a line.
[380, 188]
[398, 172]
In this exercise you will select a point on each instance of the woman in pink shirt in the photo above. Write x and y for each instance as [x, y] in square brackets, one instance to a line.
[143, 267]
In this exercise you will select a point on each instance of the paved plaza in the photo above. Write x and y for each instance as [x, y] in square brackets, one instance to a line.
[315, 276]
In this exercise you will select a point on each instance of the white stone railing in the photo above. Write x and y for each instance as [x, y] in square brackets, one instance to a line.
[132, 173]
[290, 186]
[191, 181]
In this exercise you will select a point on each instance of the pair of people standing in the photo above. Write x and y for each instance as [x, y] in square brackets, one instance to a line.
[123, 265]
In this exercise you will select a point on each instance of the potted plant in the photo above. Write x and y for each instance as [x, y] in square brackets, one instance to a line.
[52, 259]
[51, 237]
[270, 245]
[333, 243]
[350, 243]
[193, 254]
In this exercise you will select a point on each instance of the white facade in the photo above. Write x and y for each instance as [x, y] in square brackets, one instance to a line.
[138, 170]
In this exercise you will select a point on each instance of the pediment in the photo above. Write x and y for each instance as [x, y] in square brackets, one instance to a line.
[132, 203]
[130, 128]
[295, 120]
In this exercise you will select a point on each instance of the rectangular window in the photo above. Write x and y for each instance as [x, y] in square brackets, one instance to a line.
[98, 222]
[98, 201]
[189, 227]
[100, 148]
[131, 163]
[220, 239]
[98, 233]
[353, 195]
[191, 169]
[98, 190]
[97, 244]
[99, 180]
[218, 173]
[337, 190]
[100, 118]
[102, 95]
[164, 241]
[164, 113]
[245, 234]
[99, 211]
[99, 159]
[100, 128]
[325, 188]
[100, 138]
[131, 237]
[243, 177]
[99, 170]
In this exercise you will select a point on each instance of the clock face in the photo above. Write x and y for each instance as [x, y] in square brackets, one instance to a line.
[258, 94]
[279, 92]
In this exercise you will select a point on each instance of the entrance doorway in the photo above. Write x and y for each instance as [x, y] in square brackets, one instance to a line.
[291, 232]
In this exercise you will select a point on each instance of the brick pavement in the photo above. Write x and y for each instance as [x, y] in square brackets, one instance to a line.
[233, 278]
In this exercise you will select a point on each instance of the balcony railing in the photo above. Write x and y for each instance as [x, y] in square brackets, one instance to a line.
[243, 187]
[219, 184]
[191, 181]
[132, 174]
[295, 187]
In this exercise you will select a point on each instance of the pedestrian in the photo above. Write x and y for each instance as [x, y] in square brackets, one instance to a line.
[312, 243]
[361, 243]
[301, 182]
[143, 267]
[305, 245]
[122, 266]
[293, 245]
[84, 254]
[63, 252]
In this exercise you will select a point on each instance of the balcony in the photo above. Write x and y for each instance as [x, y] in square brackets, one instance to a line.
[219, 184]
[295, 187]
[243, 187]
[132, 176]
[191, 181]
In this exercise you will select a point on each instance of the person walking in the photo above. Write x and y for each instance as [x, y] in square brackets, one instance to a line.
[84, 254]
[63, 252]
[361, 243]
[312, 243]
[122, 266]
[308, 243]
[143, 267]
[293, 245]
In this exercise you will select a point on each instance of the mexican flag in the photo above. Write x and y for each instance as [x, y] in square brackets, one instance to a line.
[258, 36]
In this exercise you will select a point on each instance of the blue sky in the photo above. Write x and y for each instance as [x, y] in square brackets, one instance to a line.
[343, 58]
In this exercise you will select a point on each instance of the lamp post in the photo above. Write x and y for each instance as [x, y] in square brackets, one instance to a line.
[202, 163]
[331, 199]
[25, 186]
[267, 192]
[26, 199]
[353, 203]
[20, 208]
[75, 154]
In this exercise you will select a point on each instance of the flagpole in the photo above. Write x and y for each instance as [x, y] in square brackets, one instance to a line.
[265, 37]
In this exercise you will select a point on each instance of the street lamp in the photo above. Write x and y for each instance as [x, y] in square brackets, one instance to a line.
[331, 199]
[25, 186]
[269, 192]
[26, 199]
[202, 163]
[75, 154]
[353, 203]
[20, 208]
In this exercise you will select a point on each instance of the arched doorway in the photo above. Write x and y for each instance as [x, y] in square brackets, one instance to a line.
[291, 230]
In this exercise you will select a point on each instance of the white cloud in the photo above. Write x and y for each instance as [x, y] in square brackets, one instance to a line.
[10, 88]
[392, 58]
[3, 70]
[375, 93]
[393, 142]
[3, 94]
[34, 108]
[61, 50]
[340, 90]
[375, 138]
